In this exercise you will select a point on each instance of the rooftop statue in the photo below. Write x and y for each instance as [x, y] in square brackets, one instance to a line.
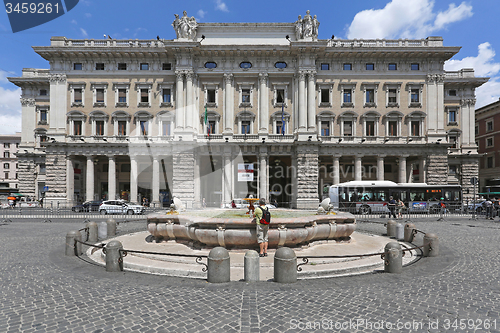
[185, 27]
[307, 27]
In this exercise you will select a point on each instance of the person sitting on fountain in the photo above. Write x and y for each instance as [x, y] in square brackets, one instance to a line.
[262, 229]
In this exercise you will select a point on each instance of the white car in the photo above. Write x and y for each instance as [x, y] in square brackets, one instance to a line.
[120, 207]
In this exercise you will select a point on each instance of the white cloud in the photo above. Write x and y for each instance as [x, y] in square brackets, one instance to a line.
[88, 15]
[10, 109]
[201, 13]
[405, 19]
[483, 65]
[10, 124]
[84, 33]
[219, 5]
[74, 22]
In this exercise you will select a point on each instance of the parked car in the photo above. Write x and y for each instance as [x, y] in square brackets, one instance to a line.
[120, 207]
[478, 206]
[87, 206]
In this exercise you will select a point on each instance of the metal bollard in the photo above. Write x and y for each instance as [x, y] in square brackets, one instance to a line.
[92, 227]
[391, 228]
[111, 227]
[400, 232]
[393, 260]
[285, 265]
[432, 247]
[252, 266]
[72, 248]
[103, 230]
[114, 261]
[410, 232]
[219, 265]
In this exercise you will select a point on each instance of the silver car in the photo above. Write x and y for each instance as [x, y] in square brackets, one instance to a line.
[120, 207]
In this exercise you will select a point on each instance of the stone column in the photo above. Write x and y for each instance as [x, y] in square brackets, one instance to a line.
[133, 179]
[226, 183]
[111, 178]
[357, 168]
[402, 169]
[228, 105]
[197, 182]
[336, 170]
[421, 170]
[189, 101]
[263, 107]
[183, 176]
[302, 102]
[179, 100]
[263, 175]
[90, 179]
[307, 178]
[437, 168]
[380, 167]
[409, 172]
[70, 180]
[156, 181]
[311, 102]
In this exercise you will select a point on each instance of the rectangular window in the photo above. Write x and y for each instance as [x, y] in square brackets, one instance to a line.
[99, 127]
[393, 128]
[99, 66]
[392, 96]
[370, 96]
[77, 127]
[43, 116]
[245, 127]
[165, 128]
[370, 128]
[245, 95]
[144, 96]
[348, 67]
[452, 92]
[6, 154]
[99, 95]
[122, 127]
[415, 96]
[166, 96]
[125, 167]
[370, 67]
[415, 67]
[489, 162]
[325, 128]
[489, 142]
[122, 66]
[144, 66]
[166, 66]
[122, 95]
[280, 96]
[6, 145]
[347, 128]
[325, 67]
[43, 138]
[77, 66]
[279, 127]
[6, 175]
[6, 165]
[453, 170]
[453, 141]
[211, 127]
[476, 130]
[347, 96]
[489, 126]
[325, 95]
[211, 96]
[43, 169]
[78, 95]
[452, 116]
[393, 67]
[415, 128]
[144, 127]
[43, 92]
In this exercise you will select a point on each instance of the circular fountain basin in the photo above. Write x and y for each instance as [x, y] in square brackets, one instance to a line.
[200, 231]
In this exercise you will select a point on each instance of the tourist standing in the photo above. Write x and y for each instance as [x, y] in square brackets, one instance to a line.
[392, 207]
[262, 229]
[400, 207]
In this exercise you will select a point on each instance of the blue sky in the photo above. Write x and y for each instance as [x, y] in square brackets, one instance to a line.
[473, 25]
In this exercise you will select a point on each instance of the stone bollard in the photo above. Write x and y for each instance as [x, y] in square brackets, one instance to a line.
[92, 230]
[71, 246]
[111, 227]
[102, 230]
[432, 247]
[114, 261]
[252, 266]
[410, 231]
[391, 228]
[219, 265]
[400, 232]
[285, 265]
[394, 258]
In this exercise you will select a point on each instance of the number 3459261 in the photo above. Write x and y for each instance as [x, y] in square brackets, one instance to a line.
[32, 8]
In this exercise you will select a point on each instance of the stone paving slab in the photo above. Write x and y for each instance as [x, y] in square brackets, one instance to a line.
[44, 291]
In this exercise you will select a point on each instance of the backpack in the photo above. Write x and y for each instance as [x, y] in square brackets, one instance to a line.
[266, 216]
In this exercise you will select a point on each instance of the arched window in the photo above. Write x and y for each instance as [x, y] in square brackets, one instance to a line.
[393, 123]
[142, 121]
[245, 121]
[454, 137]
[121, 123]
[369, 121]
[415, 122]
[325, 123]
[41, 136]
[99, 123]
[165, 121]
[76, 122]
[211, 123]
[347, 122]
[280, 122]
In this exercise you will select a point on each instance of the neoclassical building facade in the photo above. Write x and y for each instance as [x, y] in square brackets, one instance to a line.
[228, 110]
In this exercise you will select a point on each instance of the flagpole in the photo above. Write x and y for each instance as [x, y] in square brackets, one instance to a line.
[283, 119]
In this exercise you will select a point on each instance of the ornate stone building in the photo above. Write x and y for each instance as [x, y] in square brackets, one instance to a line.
[9, 146]
[228, 110]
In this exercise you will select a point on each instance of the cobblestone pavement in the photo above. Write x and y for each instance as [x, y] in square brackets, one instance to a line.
[44, 291]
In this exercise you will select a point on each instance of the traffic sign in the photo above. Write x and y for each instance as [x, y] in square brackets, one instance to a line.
[473, 180]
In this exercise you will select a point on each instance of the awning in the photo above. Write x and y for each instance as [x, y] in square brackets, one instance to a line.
[18, 194]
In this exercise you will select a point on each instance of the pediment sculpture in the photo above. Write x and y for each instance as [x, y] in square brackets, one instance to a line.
[185, 27]
[306, 27]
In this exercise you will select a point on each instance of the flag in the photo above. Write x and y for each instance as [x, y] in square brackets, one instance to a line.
[282, 118]
[206, 120]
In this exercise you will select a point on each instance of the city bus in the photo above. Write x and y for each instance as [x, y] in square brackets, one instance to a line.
[366, 197]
